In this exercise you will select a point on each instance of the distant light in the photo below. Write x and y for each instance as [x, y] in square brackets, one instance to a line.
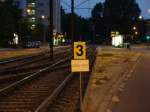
[117, 40]
[113, 34]
[136, 33]
[33, 25]
[33, 17]
[15, 34]
[43, 17]
[16, 39]
[33, 3]
[148, 37]
[140, 17]
[134, 28]
[149, 10]
[28, 10]
[63, 40]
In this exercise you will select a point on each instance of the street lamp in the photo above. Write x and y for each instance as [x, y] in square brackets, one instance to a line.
[140, 17]
[29, 11]
[134, 28]
[43, 19]
[136, 33]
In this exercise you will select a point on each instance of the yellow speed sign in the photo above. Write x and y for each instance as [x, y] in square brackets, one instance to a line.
[79, 50]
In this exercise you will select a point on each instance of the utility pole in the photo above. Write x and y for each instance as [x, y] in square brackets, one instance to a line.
[72, 21]
[51, 28]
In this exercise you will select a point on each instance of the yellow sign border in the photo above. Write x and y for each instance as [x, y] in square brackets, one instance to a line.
[79, 50]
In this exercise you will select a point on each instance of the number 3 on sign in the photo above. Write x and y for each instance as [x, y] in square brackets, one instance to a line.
[79, 50]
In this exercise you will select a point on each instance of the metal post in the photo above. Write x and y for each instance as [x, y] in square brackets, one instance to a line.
[72, 20]
[51, 28]
[81, 92]
[44, 38]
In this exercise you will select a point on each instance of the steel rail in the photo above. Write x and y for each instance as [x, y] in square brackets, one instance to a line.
[9, 60]
[17, 67]
[35, 76]
[14, 77]
[45, 104]
[31, 77]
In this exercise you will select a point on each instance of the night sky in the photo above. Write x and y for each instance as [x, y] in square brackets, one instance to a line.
[144, 5]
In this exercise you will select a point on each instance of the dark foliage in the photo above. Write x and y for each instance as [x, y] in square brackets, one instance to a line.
[115, 15]
[82, 29]
[9, 17]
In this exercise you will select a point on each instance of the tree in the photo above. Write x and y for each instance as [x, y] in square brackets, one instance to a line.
[97, 11]
[38, 32]
[121, 14]
[23, 29]
[81, 26]
[98, 23]
[9, 16]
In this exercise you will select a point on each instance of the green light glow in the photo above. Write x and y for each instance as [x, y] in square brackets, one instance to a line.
[148, 37]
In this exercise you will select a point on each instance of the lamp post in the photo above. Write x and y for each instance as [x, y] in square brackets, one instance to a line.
[72, 21]
[51, 28]
[44, 35]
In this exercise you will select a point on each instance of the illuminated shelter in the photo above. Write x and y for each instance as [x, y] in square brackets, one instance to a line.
[117, 41]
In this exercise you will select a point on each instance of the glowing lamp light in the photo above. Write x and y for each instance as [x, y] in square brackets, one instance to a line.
[136, 33]
[140, 17]
[63, 40]
[28, 10]
[148, 37]
[33, 3]
[43, 17]
[134, 28]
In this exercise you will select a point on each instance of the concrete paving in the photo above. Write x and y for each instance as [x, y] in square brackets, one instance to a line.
[111, 69]
[136, 94]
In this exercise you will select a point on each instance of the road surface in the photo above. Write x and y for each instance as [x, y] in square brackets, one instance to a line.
[136, 94]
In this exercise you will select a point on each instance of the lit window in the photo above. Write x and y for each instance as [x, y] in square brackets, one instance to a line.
[32, 19]
[31, 11]
[32, 26]
[32, 5]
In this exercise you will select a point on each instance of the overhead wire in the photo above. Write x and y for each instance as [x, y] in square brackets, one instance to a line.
[65, 3]
[78, 5]
[81, 3]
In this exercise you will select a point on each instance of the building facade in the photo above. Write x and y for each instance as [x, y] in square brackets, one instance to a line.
[42, 7]
[37, 10]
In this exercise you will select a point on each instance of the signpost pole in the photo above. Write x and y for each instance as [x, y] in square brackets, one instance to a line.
[80, 64]
[51, 28]
[72, 21]
[81, 92]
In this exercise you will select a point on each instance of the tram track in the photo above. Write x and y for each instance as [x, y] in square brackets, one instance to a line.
[14, 80]
[67, 99]
[34, 66]
[29, 92]
[29, 60]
